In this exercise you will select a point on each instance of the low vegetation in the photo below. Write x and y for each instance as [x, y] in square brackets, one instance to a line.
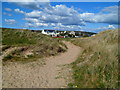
[25, 45]
[97, 66]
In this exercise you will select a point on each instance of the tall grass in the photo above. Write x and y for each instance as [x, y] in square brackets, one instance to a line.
[97, 66]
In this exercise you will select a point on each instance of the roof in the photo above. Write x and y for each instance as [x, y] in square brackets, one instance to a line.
[49, 30]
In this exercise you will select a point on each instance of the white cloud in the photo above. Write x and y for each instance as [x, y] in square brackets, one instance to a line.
[57, 15]
[61, 16]
[107, 18]
[61, 10]
[87, 17]
[110, 18]
[8, 9]
[106, 28]
[69, 16]
[19, 11]
[106, 15]
[102, 28]
[34, 14]
[31, 4]
[41, 24]
[37, 24]
[10, 21]
[59, 26]
[31, 20]
[110, 9]
[7, 14]
[28, 25]
[34, 5]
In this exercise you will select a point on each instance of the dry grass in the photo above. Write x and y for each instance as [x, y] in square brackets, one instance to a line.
[30, 45]
[97, 66]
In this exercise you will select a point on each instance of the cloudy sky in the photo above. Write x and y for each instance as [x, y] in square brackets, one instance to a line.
[84, 16]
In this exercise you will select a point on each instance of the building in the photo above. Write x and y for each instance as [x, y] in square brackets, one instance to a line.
[72, 32]
[50, 32]
[55, 33]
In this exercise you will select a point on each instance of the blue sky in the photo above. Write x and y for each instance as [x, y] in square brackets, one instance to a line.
[84, 16]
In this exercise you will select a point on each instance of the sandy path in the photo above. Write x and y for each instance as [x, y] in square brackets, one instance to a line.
[32, 75]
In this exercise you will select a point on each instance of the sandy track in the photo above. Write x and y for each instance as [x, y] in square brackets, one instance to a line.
[32, 75]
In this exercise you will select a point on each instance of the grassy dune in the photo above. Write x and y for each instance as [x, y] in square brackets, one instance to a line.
[97, 66]
[29, 45]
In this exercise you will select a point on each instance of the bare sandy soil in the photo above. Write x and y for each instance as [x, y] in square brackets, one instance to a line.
[33, 75]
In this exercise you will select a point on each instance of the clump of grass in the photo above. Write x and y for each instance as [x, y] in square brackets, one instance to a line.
[97, 66]
[8, 57]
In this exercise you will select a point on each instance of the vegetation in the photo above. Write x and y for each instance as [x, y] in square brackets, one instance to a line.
[97, 66]
[29, 45]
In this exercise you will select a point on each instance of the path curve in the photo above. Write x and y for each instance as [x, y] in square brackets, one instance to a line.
[32, 75]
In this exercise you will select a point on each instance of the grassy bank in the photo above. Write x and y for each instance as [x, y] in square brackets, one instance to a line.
[29, 45]
[97, 66]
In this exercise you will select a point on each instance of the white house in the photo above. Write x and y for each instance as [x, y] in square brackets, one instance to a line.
[50, 32]
[72, 32]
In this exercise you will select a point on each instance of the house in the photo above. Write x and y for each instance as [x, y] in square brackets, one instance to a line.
[72, 32]
[50, 32]
[65, 34]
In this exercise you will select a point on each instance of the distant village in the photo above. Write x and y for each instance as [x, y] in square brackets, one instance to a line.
[62, 34]
[65, 34]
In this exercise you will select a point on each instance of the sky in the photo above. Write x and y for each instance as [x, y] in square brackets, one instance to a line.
[77, 16]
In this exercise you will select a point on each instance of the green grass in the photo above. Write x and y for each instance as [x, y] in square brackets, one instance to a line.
[17, 37]
[25, 40]
[97, 66]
